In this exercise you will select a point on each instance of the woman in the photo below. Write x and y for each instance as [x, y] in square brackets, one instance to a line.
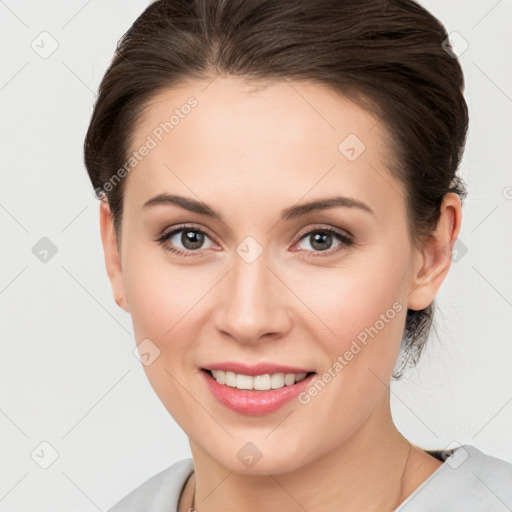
[279, 205]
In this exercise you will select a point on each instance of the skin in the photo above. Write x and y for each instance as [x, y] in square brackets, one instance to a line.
[249, 152]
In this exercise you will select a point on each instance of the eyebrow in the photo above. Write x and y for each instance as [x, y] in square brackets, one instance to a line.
[288, 213]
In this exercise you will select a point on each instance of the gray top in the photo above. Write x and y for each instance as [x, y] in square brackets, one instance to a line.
[468, 480]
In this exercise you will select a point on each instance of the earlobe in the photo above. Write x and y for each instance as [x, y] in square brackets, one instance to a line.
[432, 262]
[112, 256]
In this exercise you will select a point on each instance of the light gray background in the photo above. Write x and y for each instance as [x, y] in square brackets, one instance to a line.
[68, 374]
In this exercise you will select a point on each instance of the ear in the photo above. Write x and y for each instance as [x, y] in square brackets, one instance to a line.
[112, 256]
[432, 261]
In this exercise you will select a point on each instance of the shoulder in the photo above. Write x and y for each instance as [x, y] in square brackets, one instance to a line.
[484, 477]
[497, 473]
[468, 480]
[160, 493]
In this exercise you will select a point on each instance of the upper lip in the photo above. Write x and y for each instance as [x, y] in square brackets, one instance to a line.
[257, 369]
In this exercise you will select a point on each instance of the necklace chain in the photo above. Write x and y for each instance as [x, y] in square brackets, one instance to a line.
[193, 507]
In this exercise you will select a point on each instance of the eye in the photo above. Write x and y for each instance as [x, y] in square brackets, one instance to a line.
[190, 237]
[192, 240]
[321, 240]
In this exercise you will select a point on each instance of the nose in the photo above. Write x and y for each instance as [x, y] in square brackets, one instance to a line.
[253, 302]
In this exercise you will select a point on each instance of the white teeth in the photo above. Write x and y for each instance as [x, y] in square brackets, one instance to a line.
[244, 381]
[258, 382]
[289, 379]
[230, 379]
[277, 380]
[219, 376]
[262, 382]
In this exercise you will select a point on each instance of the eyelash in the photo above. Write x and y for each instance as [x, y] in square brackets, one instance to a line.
[347, 241]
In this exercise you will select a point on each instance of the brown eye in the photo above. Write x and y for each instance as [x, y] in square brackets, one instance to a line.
[321, 240]
[191, 240]
[184, 241]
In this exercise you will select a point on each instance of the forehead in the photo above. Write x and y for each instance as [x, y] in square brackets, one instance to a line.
[260, 139]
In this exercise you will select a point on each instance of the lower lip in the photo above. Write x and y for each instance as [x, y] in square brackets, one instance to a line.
[252, 402]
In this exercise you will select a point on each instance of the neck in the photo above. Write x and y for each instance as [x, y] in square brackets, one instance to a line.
[369, 471]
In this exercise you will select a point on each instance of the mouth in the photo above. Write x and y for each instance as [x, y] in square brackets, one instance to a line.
[255, 395]
[263, 382]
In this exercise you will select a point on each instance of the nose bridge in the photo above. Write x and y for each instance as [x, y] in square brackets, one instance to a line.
[252, 305]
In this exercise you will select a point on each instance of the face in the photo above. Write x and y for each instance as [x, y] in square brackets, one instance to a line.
[322, 290]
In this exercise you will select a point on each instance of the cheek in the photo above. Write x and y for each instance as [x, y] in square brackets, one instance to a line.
[169, 304]
[161, 299]
[366, 313]
[362, 310]
[348, 301]
[161, 306]
[370, 306]
[365, 308]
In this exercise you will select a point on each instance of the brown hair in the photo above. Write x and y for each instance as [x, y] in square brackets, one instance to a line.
[390, 57]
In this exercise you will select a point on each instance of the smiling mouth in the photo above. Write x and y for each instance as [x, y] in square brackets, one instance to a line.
[265, 382]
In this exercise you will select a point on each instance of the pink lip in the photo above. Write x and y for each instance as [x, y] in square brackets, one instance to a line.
[258, 369]
[253, 402]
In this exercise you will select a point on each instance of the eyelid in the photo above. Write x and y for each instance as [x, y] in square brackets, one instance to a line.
[329, 229]
[180, 227]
